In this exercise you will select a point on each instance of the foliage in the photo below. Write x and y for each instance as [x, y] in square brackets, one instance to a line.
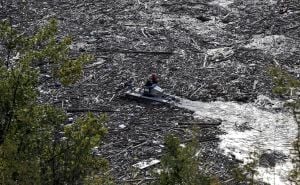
[180, 165]
[248, 171]
[295, 173]
[284, 82]
[36, 145]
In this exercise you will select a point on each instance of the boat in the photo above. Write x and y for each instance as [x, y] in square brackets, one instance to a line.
[153, 94]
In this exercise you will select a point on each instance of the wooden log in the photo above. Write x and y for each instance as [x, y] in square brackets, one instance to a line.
[104, 109]
[138, 52]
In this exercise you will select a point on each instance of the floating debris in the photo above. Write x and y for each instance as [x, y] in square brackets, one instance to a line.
[146, 163]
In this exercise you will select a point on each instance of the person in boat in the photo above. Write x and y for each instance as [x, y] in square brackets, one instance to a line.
[151, 82]
[154, 78]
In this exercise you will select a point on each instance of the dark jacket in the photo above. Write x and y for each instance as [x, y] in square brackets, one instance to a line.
[149, 83]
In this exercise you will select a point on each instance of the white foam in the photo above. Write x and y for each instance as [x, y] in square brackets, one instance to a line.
[270, 131]
[273, 44]
[223, 3]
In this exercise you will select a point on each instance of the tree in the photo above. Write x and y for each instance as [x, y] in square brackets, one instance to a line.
[180, 165]
[36, 144]
[247, 172]
[286, 84]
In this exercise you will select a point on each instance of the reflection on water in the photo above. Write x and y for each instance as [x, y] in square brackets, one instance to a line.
[249, 129]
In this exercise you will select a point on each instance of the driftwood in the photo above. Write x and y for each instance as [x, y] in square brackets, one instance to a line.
[131, 147]
[204, 139]
[174, 44]
[138, 52]
[183, 125]
[105, 109]
[136, 180]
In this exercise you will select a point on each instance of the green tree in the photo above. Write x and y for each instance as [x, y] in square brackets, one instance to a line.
[286, 84]
[180, 165]
[247, 172]
[36, 146]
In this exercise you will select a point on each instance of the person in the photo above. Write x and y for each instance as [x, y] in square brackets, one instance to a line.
[150, 84]
[154, 78]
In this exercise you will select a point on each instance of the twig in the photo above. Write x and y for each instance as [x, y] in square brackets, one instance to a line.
[112, 97]
[139, 144]
[140, 182]
[229, 180]
[144, 33]
[195, 91]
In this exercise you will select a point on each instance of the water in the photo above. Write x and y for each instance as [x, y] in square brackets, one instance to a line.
[267, 131]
